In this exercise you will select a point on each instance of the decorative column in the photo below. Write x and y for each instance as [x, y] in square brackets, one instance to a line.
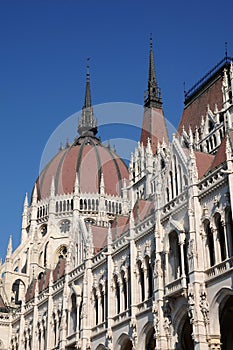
[225, 239]
[217, 251]
[110, 291]
[182, 272]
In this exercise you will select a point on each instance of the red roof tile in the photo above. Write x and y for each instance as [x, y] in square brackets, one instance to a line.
[99, 237]
[119, 226]
[89, 160]
[197, 108]
[142, 209]
[154, 127]
[203, 162]
[59, 270]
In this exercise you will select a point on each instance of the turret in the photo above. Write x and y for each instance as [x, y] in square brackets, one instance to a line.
[154, 126]
[87, 125]
[24, 219]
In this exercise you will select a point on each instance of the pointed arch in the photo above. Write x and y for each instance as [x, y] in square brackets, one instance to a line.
[124, 342]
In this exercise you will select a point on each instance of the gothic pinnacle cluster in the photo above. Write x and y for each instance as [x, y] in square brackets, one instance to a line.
[87, 125]
[153, 96]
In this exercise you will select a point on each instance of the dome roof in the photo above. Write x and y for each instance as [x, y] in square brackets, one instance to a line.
[89, 158]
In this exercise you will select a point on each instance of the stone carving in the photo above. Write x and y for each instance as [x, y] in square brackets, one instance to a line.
[155, 313]
[109, 339]
[204, 305]
[191, 306]
[158, 272]
[167, 318]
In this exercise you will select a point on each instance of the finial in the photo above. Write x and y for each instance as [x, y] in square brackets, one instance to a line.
[25, 204]
[226, 53]
[52, 187]
[87, 125]
[76, 185]
[9, 247]
[184, 89]
[34, 195]
[88, 69]
[152, 96]
[151, 41]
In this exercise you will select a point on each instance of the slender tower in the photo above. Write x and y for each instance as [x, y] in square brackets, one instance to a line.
[154, 126]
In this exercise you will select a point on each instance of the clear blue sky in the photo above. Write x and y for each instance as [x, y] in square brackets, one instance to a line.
[43, 48]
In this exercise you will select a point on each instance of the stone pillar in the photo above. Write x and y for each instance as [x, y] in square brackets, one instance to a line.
[229, 239]
[226, 240]
[217, 250]
[167, 277]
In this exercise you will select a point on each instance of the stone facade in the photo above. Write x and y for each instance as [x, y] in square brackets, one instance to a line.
[151, 268]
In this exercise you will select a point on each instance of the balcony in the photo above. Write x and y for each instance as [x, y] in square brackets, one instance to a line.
[219, 270]
[123, 316]
[176, 287]
[145, 305]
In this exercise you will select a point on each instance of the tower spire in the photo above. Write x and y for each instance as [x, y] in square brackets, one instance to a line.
[153, 97]
[87, 125]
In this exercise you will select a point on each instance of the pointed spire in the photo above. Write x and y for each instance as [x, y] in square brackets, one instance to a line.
[9, 247]
[34, 195]
[25, 204]
[153, 97]
[87, 102]
[87, 125]
[52, 188]
[102, 186]
[76, 185]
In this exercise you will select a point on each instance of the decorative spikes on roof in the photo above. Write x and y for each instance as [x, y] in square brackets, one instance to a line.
[153, 96]
[87, 125]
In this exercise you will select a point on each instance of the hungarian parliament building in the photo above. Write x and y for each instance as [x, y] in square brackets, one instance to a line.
[130, 257]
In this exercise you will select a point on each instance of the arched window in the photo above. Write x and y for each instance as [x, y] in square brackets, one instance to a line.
[176, 177]
[62, 252]
[124, 290]
[18, 288]
[220, 235]
[85, 204]
[180, 178]
[73, 313]
[171, 184]
[149, 277]
[117, 290]
[96, 305]
[45, 254]
[141, 280]
[229, 230]
[174, 256]
[102, 304]
[167, 192]
[210, 243]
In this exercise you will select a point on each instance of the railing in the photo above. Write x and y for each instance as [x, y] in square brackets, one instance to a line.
[145, 305]
[77, 271]
[195, 87]
[176, 287]
[121, 317]
[175, 202]
[219, 269]
[99, 328]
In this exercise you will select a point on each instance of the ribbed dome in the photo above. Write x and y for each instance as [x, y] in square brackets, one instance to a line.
[89, 158]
